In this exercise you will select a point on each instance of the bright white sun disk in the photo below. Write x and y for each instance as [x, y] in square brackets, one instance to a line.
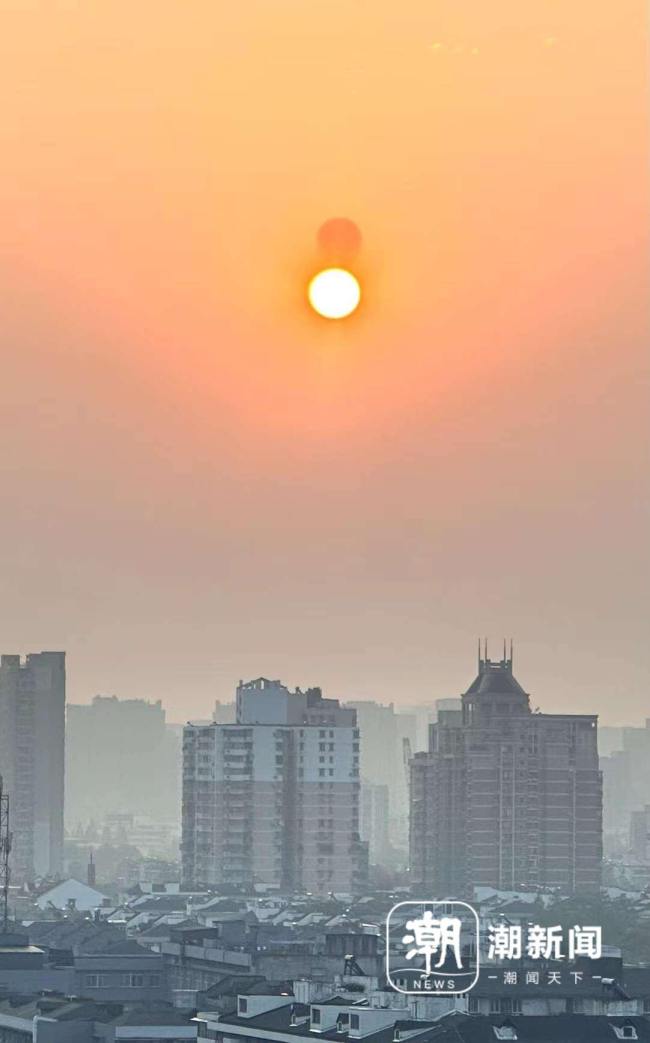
[334, 293]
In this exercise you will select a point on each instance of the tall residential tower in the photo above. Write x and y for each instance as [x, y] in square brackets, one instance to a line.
[273, 799]
[506, 797]
[32, 757]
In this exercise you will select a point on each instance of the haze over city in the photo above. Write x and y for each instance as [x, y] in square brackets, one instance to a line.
[202, 482]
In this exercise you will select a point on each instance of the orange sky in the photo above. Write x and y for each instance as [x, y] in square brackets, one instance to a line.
[202, 480]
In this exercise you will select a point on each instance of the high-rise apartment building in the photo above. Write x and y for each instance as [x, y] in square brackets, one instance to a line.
[385, 732]
[32, 759]
[273, 800]
[626, 780]
[121, 758]
[640, 835]
[374, 821]
[506, 797]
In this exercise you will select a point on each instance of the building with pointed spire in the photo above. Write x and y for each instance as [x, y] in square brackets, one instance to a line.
[506, 797]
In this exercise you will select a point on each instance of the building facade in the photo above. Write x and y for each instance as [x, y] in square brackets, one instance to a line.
[626, 782]
[387, 732]
[273, 800]
[32, 759]
[374, 820]
[506, 797]
[121, 758]
[640, 835]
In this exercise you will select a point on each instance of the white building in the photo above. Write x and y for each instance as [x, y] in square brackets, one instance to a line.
[273, 800]
[71, 894]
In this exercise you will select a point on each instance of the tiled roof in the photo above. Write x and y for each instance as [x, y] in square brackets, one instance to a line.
[555, 1028]
[497, 679]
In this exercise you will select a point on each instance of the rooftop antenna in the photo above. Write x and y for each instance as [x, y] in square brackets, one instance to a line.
[511, 653]
[479, 654]
[486, 651]
[505, 657]
[91, 870]
[5, 851]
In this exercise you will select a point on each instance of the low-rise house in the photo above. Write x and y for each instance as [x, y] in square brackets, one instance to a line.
[195, 959]
[589, 987]
[558, 1028]
[29, 968]
[282, 1019]
[125, 972]
[55, 1018]
[75, 934]
[70, 894]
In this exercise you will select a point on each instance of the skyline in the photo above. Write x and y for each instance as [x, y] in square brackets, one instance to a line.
[228, 697]
[201, 481]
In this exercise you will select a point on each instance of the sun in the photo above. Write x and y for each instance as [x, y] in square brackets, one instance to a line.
[334, 293]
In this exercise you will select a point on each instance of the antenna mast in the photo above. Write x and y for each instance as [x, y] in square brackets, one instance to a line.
[5, 851]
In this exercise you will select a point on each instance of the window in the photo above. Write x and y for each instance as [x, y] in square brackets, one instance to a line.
[95, 981]
[354, 1021]
[315, 1016]
[505, 1006]
[134, 981]
[242, 1005]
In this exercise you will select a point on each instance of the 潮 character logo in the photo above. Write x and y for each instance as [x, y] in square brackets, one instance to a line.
[432, 947]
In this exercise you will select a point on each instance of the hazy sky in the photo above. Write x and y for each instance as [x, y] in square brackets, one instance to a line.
[202, 480]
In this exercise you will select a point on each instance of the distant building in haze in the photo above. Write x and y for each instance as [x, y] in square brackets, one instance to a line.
[121, 759]
[626, 780]
[505, 797]
[384, 731]
[640, 835]
[374, 820]
[223, 713]
[32, 759]
[273, 800]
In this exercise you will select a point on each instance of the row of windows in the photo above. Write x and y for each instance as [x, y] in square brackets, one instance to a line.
[128, 981]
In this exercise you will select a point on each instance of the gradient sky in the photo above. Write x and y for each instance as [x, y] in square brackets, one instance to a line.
[202, 480]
